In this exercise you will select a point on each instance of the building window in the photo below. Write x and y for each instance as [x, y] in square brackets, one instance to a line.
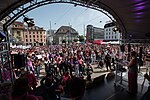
[26, 36]
[37, 32]
[26, 40]
[106, 37]
[30, 36]
[41, 36]
[33, 36]
[40, 32]
[115, 37]
[33, 32]
[30, 40]
[112, 37]
[37, 36]
[18, 32]
[34, 40]
[41, 40]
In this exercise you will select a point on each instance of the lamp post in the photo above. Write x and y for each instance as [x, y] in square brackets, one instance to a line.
[69, 34]
[122, 47]
[51, 32]
[50, 27]
[29, 22]
[84, 33]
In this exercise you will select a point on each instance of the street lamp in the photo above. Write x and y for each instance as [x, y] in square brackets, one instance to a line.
[29, 21]
[115, 29]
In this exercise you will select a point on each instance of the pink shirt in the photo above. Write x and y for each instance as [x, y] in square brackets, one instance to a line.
[29, 63]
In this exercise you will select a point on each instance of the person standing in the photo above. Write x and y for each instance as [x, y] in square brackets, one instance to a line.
[20, 90]
[108, 61]
[76, 88]
[37, 65]
[132, 73]
[30, 64]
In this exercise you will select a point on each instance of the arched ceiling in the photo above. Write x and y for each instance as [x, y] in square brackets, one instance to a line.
[133, 16]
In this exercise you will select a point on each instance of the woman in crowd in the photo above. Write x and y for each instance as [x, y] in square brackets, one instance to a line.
[76, 88]
[31, 79]
[29, 63]
[37, 66]
[132, 73]
[20, 91]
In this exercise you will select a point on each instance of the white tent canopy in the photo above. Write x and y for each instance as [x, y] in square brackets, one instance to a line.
[113, 42]
[20, 46]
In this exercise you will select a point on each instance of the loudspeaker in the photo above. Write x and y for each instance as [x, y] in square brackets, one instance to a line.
[99, 79]
[141, 50]
[110, 75]
[19, 61]
[122, 48]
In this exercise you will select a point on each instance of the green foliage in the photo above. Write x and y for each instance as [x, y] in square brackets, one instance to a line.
[63, 41]
[81, 38]
[75, 40]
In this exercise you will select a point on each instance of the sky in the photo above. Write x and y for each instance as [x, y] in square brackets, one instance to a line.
[66, 15]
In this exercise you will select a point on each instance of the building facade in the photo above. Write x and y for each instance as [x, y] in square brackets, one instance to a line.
[18, 32]
[110, 34]
[98, 33]
[28, 35]
[34, 36]
[89, 33]
[65, 33]
[94, 33]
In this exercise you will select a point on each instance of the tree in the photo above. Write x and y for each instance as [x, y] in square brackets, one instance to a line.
[69, 41]
[81, 38]
[63, 41]
[75, 40]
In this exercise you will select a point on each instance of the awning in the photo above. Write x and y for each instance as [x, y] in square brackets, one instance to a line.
[98, 42]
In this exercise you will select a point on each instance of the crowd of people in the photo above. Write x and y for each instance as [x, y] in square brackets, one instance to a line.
[66, 67]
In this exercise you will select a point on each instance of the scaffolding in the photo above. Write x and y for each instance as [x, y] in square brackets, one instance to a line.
[6, 71]
[5, 68]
